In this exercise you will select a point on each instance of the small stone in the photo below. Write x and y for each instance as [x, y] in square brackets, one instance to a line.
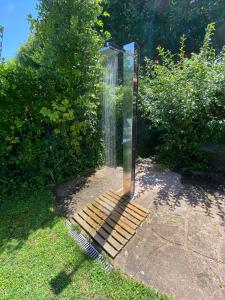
[126, 253]
[142, 273]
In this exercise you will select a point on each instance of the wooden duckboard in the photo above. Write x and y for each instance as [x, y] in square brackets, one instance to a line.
[111, 220]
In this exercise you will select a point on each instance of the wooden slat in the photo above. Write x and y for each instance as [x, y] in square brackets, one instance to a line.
[118, 210]
[117, 232]
[126, 203]
[111, 220]
[120, 222]
[131, 202]
[99, 220]
[114, 225]
[96, 236]
[101, 224]
[118, 228]
[126, 206]
[113, 202]
[104, 211]
[108, 238]
[117, 217]
[114, 207]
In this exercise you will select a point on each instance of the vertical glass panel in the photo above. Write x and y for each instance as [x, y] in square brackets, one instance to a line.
[128, 115]
[110, 81]
[119, 114]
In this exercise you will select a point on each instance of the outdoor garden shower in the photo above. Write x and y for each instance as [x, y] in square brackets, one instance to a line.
[119, 109]
[112, 217]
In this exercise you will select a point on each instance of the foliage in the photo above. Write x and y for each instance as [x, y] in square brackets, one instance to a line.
[69, 42]
[190, 18]
[28, 54]
[161, 22]
[40, 261]
[185, 101]
[49, 96]
[130, 20]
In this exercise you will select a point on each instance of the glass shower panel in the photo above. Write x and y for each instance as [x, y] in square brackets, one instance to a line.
[110, 82]
[129, 117]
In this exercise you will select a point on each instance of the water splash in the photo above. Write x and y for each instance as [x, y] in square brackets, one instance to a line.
[110, 81]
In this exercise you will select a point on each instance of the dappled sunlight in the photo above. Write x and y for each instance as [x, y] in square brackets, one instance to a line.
[175, 190]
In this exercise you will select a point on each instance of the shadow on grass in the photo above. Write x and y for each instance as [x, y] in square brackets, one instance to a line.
[21, 213]
[64, 279]
[25, 211]
[61, 281]
[102, 234]
[172, 189]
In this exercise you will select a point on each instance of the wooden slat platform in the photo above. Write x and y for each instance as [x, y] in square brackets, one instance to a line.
[111, 220]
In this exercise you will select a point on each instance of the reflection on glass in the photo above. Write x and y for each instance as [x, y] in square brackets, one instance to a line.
[119, 110]
[128, 119]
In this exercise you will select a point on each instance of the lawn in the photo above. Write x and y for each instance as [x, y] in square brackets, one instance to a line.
[40, 261]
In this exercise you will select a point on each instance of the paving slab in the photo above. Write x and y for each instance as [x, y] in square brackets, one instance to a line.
[180, 247]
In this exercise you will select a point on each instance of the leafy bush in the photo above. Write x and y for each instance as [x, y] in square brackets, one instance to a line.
[43, 135]
[184, 99]
[49, 104]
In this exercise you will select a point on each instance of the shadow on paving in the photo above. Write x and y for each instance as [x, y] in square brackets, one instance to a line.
[64, 192]
[172, 190]
[210, 197]
[205, 190]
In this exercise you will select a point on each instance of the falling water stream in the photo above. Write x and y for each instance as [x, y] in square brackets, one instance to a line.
[110, 80]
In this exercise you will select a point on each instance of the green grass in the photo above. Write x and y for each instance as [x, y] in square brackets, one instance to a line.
[38, 260]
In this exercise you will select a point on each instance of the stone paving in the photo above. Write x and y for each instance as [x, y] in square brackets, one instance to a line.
[180, 247]
[73, 194]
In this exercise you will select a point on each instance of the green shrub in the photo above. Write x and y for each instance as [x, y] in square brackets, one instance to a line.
[184, 99]
[49, 104]
[44, 136]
